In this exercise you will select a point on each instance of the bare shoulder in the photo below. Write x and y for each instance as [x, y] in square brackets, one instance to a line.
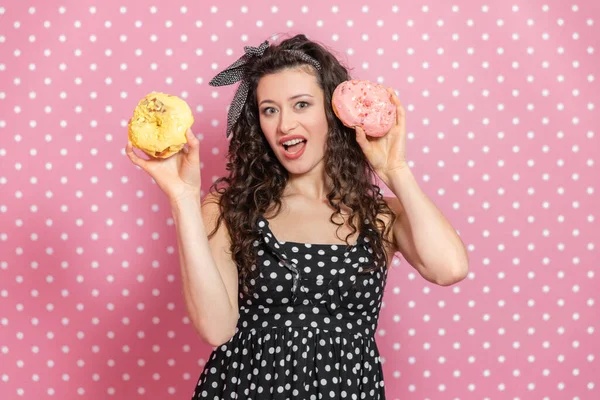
[211, 211]
[402, 236]
[397, 209]
[390, 247]
[211, 198]
[394, 204]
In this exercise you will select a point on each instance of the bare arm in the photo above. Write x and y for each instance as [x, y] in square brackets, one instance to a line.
[208, 273]
[423, 235]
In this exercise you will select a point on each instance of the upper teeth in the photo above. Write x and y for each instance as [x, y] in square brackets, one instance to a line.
[293, 141]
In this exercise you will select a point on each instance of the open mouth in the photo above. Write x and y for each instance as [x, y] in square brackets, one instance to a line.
[294, 148]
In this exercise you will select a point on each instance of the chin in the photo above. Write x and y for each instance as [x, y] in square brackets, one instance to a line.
[296, 168]
[303, 167]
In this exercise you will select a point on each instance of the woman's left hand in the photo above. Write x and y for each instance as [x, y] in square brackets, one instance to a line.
[387, 153]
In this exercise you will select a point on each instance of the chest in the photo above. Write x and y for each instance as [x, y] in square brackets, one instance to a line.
[313, 224]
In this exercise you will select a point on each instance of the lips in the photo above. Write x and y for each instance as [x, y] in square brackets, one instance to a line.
[291, 137]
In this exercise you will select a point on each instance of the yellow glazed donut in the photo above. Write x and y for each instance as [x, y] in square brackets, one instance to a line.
[159, 124]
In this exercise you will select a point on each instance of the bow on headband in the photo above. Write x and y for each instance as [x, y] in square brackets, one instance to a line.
[236, 72]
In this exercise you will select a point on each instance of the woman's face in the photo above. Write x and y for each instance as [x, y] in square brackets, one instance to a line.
[291, 106]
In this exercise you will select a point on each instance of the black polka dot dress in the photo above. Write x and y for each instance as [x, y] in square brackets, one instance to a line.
[307, 331]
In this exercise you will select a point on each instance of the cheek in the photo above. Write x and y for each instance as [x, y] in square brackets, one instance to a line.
[321, 126]
[266, 126]
[318, 122]
[270, 133]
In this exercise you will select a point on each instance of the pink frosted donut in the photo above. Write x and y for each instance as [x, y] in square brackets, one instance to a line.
[365, 104]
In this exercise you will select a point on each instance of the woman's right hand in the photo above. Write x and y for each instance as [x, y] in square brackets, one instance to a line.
[177, 176]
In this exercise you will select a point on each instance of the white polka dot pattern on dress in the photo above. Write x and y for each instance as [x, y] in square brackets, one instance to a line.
[296, 323]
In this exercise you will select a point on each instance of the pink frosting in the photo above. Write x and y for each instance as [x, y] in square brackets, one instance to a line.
[365, 104]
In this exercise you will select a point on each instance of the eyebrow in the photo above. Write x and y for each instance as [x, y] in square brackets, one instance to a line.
[291, 98]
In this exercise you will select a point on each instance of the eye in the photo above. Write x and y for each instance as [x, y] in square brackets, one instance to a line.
[302, 104]
[268, 110]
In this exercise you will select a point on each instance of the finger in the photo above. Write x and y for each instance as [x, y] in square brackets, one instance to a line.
[140, 162]
[399, 109]
[400, 114]
[191, 138]
[194, 145]
[361, 137]
[186, 145]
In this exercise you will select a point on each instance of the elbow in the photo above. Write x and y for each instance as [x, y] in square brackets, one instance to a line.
[455, 271]
[216, 341]
[457, 274]
[220, 336]
[443, 275]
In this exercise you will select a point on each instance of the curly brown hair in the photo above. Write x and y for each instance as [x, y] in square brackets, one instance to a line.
[257, 179]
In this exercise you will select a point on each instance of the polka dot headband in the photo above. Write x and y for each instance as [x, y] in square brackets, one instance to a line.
[236, 72]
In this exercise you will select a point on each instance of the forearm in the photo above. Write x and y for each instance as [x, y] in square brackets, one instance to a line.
[205, 294]
[439, 247]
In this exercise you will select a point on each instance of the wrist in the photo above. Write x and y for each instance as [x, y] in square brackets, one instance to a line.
[185, 200]
[401, 172]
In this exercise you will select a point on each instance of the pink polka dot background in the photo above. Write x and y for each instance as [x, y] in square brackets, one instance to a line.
[502, 120]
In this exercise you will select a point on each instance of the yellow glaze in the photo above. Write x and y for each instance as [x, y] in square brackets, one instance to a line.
[159, 124]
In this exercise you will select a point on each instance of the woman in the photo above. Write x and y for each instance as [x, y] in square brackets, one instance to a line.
[289, 288]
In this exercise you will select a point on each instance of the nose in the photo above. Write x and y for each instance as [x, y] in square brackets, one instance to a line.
[287, 121]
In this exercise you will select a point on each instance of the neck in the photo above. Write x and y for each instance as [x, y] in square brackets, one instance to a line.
[314, 185]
